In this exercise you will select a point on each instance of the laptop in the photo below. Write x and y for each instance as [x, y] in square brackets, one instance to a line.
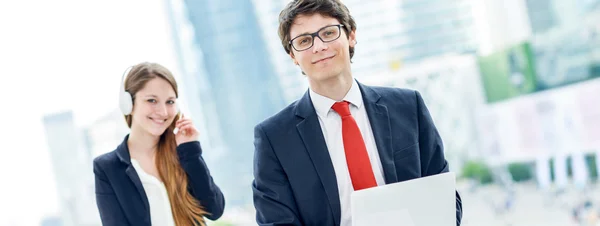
[426, 201]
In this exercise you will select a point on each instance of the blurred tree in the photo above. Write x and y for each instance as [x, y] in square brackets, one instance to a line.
[520, 171]
[477, 170]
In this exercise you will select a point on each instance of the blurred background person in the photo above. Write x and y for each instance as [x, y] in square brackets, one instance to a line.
[156, 176]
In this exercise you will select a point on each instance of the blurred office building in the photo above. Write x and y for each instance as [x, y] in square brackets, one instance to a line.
[237, 82]
[70, 160]
[51, 221]
[105, 133]
[390, 34]
[450, 86]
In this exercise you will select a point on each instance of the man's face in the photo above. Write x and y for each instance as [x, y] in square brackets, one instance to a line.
[324, 60]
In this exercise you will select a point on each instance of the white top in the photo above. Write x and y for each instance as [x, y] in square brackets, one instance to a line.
[331, 125]
[158, 199]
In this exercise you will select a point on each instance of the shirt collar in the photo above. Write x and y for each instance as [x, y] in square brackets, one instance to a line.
[323, 104]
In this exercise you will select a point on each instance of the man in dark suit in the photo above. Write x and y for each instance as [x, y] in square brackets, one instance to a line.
[341, 136]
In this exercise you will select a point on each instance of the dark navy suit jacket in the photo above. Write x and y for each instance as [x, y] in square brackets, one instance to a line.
[120, 195]
[294, 180]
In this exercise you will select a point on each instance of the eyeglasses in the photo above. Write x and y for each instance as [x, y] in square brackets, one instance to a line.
[326, 34]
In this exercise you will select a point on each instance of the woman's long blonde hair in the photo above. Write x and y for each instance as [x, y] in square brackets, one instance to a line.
[186, 210]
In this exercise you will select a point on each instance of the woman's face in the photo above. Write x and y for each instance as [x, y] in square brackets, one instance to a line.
[154, 107]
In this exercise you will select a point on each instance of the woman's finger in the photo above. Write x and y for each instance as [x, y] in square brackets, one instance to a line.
[187, 130]
[180, 121]
[182, 124]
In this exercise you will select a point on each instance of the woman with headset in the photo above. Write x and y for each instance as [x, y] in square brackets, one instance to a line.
[157, 175]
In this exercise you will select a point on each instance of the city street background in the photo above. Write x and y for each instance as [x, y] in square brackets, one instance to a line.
[513, 87]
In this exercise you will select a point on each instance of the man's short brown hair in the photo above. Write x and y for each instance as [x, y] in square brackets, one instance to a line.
[329, 8]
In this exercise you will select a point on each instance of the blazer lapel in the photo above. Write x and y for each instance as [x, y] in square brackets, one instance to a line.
[310, 132]
[382, 131]
[138, 185]
[123, 154]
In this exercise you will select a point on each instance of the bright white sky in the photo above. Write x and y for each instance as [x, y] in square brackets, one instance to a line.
[43, 46]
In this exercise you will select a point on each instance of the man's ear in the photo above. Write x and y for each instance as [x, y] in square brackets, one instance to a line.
[295, 61]
[293, 58]
[352, 38]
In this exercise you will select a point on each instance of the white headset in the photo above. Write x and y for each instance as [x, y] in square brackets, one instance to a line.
[125, 98]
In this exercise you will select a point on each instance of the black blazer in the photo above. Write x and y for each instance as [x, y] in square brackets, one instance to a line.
[294, 180]
[120, 195]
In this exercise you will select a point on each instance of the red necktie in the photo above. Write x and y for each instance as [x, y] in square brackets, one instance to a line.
[357, 157]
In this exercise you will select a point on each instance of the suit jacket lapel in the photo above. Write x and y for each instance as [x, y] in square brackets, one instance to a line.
[310, 132]
[382, 131]
[123, 154]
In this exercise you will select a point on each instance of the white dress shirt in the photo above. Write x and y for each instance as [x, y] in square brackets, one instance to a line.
[331, 126]
[158, 199]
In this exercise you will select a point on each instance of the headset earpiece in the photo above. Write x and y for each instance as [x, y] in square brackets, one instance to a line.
[125, 98]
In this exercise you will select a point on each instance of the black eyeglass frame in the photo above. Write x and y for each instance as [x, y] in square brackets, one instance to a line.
[316, 34]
